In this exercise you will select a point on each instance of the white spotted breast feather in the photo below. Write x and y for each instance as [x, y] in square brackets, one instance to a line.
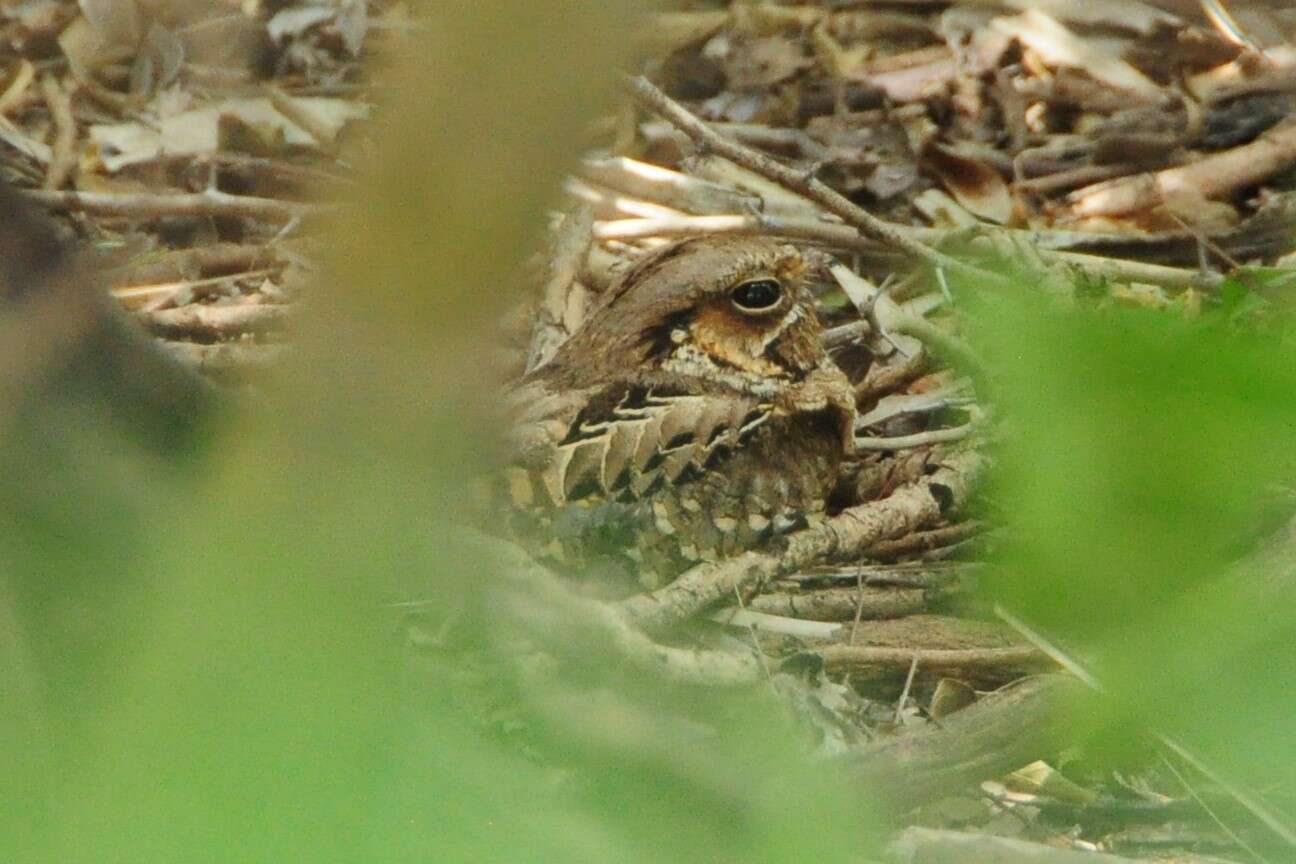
[666, 478]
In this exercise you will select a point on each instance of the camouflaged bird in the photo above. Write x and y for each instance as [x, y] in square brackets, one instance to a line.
[693, 415]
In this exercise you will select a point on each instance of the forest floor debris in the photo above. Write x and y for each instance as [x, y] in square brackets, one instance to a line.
[1142, 150]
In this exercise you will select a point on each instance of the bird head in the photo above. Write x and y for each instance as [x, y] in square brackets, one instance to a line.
[704, 314]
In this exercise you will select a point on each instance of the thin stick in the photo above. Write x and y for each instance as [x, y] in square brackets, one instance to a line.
[570, 249]
[927, 541]
[859, 606]
[277, 168]
[1126, 270]
[1037, 639]
[146, 206]
[16, 92]
[1025, 721]
[904, 694]
[134, 296]
[952, 396]
[886, 316]
[834, 202]
[839, 606]
[983, 664]
[784, 625]
[212, 260]
[844, 237]
[944, 342]
[828, 233]
[1210, 177]
[201, 321]
[674, 189]
[845, 334]
[741, 614]
[64, 156]
[918, 439]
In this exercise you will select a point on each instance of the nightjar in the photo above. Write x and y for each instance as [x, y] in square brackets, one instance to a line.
[693, 415]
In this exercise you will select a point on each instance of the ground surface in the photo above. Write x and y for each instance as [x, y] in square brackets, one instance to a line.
[1119, 153]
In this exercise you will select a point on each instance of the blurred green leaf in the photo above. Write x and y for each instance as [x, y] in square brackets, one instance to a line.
[204, 659]
[1143, 454]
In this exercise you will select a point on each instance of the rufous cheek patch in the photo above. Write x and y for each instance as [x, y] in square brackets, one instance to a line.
[732, 340]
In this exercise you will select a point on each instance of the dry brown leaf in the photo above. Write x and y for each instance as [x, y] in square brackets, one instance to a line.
[117, 23]
[159, 61]
[890, 178]
[973, 183]
[735, 107]
[1041, 778]
[762, 62]
[87, 49]
[19, 79]
[197, 131]
[30, 147]
[1122, 14]
[982, 46]
[910, 83]
[296, 20]
[349, 18]
[1101, 58]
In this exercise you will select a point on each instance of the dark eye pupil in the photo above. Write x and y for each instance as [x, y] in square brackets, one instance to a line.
[757, 294]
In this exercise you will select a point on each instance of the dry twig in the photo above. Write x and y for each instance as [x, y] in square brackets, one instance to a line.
[1209, 177]
[670, 188]
[211, 202]
[982, 665]
[918, 439]
[207, 322]
[214, 260]
[831, 200]
[841, 604]
[63, 163]
[571, 246]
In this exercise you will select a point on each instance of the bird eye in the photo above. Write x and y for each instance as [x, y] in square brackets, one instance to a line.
[757, 295]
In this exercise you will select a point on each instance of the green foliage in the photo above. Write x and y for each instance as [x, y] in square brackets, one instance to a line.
[201, 658]
[1143, 453]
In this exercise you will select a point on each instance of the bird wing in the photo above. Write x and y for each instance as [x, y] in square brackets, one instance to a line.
[624, 441]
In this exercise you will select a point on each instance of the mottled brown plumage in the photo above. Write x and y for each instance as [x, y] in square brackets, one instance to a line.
[694, 414]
